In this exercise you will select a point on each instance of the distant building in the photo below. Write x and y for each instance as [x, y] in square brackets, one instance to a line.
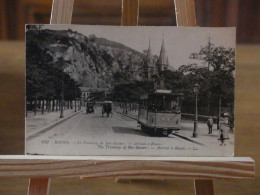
[95, 94]
[163, 62]
[149, 63]
[152, 65]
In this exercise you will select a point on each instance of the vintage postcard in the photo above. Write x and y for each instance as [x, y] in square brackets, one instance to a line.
[144, 91]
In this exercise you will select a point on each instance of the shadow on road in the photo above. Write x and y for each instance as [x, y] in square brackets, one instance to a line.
[98, 117]
[127, 130]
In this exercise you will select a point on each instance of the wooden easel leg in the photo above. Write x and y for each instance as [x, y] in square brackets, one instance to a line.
[39, 186]
[204, 187]
[130, 12]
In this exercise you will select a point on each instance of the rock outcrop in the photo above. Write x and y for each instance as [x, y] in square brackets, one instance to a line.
[91, 61]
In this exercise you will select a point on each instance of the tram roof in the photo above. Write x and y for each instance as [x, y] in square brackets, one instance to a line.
[107, 102]
[161, 92]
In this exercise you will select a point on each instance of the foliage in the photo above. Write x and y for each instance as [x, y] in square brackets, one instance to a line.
[44, 75]
[215, 78]
[131, 91]
[92, 38]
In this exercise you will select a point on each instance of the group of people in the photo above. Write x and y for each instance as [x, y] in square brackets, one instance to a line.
[224, 126]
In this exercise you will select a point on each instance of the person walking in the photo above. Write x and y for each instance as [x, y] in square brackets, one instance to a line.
[210, 124]
[221, 137]
[224, 128]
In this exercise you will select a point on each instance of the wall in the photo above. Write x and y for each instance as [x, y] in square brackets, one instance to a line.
[241, 13]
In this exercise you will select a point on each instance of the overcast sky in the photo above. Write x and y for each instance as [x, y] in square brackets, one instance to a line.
[180, 42]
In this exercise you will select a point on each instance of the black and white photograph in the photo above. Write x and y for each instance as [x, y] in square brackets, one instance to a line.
[130, 90]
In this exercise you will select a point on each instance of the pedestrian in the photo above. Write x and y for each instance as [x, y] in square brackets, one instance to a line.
[210, 124]
[224, 128]
[221, 137]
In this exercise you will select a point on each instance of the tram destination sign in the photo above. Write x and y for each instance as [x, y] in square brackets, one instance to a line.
[145, 91]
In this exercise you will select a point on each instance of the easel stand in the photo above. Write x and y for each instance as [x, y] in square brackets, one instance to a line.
[202, 170]
[40, 169]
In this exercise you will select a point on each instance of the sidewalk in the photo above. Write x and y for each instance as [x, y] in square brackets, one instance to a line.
[206, 139]
[35, 122]
[186, 131]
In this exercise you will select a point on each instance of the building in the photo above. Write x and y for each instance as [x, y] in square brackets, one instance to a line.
[95, 94]
[163, 62]
[149, 63]
[152, 65]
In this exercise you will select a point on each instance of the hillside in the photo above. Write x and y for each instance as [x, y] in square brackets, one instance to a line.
[91, 61]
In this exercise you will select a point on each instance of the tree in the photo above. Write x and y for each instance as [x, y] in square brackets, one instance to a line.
[119, 77]
[216, 80]
[44, 75]
[92, 38]
[130, 91]
[34, 27]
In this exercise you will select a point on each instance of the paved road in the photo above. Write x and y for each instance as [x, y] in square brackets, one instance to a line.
[87, 133]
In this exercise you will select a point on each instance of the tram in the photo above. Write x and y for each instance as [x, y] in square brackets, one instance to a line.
[159, 112]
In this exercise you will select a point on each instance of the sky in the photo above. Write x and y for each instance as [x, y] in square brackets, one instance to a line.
[179, 42]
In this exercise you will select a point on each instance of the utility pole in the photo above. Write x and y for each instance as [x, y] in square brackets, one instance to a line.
[219, 111]
[62, 97]
[208, 59]
[195, 130]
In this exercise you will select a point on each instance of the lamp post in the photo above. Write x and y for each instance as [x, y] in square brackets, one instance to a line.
[196, 90]
[125, 104]
[62, 96]
[75, 95]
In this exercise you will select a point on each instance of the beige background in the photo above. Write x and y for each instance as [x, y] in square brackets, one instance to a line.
[247, 114]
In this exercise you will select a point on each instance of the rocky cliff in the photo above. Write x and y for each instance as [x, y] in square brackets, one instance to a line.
[91, 61]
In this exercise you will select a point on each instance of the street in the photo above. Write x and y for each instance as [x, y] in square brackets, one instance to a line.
[92, 134]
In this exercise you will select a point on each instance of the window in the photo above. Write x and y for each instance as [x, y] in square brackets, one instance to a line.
[163, 103]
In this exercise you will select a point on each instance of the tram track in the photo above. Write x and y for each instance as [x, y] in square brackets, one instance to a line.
[188, 139]
[175, 134]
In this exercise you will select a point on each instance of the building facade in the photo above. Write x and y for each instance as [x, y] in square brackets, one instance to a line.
[95, 94]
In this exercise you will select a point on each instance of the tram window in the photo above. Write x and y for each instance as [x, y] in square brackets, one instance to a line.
[141, 104]
[151, 104]
[145, 103]
[162, 103]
